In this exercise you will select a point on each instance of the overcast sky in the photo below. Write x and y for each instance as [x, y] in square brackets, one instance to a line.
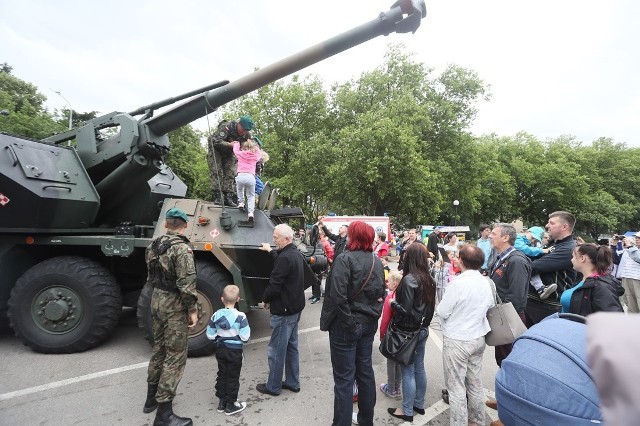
[563, 67]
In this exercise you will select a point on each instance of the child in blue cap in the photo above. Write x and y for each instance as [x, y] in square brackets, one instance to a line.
[529, 243]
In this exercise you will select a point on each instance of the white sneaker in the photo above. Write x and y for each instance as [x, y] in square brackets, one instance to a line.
[354, 418]
[547, 291]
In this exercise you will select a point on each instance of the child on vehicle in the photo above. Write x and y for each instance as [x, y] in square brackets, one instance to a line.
[528, 244]
[248, 154]
[230, 329]
[394, 371]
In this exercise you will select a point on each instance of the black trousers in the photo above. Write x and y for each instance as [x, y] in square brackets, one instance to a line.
[229, 366]
[315, 287]
[536, 311]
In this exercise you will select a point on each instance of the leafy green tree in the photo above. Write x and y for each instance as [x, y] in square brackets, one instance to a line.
[25, 113]
[187, 159]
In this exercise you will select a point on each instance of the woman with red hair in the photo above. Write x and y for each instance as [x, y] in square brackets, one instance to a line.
[351, 309]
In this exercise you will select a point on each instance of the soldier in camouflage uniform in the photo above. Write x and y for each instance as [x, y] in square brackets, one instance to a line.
[172, 274]
[222, 162]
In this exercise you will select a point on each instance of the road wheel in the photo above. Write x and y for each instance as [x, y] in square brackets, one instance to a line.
[65, 304]
[211, 279]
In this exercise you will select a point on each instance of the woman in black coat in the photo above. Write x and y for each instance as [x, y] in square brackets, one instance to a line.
[598, 290]
[413, 309]
[350, 313]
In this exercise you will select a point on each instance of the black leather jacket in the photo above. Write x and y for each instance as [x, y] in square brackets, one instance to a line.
[340, 242]
[408, 306]
[597, 294]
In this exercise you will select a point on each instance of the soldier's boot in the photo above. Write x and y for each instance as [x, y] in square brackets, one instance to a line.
[166, 417]
[228, 200]
[151, 404]
[217, 197]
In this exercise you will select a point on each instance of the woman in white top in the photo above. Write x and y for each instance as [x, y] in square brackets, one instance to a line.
[463, 315]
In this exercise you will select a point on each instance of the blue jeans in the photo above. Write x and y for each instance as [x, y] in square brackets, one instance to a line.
[351, 360]
[414, 379]
[283, 352]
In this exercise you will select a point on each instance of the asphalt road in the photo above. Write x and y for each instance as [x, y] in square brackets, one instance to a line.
[107, 385]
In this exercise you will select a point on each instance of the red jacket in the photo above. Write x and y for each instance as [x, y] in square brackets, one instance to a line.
[382, 249]
[387, 313]
[328, 250]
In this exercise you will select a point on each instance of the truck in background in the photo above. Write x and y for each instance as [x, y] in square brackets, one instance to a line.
[379, 223]
[460, 231]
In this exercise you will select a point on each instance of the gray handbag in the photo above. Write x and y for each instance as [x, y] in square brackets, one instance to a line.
[506, 325]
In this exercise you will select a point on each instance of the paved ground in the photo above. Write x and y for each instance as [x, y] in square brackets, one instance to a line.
[106, 386]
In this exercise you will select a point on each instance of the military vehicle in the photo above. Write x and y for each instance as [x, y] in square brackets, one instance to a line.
[78, 209]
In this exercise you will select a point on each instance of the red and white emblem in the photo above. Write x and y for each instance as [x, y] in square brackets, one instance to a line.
[214, 233]
[4, 200]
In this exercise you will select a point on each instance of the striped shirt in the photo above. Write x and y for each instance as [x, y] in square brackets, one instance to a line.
[229, 326]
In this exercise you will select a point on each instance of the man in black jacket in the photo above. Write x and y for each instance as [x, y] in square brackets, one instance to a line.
[554, 267]
[339, 240]
[432, 243]
[511, 272]
[340, 244]
[285, 298]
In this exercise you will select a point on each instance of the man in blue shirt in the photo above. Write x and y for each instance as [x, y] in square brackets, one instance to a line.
[484, 243]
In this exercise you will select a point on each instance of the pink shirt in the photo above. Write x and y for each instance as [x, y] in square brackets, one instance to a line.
[247, 160]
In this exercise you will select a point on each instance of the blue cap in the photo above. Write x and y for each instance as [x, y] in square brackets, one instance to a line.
[537, 232]
[176, 213]
[246, 122]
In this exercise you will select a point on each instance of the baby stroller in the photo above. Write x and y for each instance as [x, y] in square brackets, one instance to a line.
[546, 380]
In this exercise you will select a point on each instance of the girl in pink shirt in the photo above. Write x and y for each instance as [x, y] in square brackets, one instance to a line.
[394, 372]
[248, 154]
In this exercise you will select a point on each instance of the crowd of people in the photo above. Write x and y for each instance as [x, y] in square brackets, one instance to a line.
[541, 272]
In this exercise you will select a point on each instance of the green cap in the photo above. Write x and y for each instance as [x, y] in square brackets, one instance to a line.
[246, 122]
[176, 213]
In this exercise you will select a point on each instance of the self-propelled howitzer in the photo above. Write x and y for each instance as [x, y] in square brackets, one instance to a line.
[76, 218]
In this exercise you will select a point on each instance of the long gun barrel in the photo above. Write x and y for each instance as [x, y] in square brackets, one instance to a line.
[404, 16]
[174, 99]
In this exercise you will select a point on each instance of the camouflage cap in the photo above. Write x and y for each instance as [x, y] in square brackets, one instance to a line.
[176, 213]
[246, 122]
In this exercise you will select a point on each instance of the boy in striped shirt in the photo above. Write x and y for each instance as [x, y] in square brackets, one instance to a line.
[230, 329]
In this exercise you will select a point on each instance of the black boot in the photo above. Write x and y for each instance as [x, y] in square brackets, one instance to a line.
[228, 200]
[165, 416]
[151, 404]
[217, 198]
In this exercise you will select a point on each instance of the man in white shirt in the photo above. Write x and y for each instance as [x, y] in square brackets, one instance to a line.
[629, 271]
[463, 315]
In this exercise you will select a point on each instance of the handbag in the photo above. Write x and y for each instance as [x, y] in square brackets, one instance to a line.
[506, 325]
[399, 345]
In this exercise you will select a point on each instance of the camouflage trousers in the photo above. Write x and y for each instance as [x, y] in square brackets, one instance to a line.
[223, 170]
[462, 361]
[169, 357]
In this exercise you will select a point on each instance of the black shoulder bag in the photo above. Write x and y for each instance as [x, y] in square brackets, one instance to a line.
[399, 345]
